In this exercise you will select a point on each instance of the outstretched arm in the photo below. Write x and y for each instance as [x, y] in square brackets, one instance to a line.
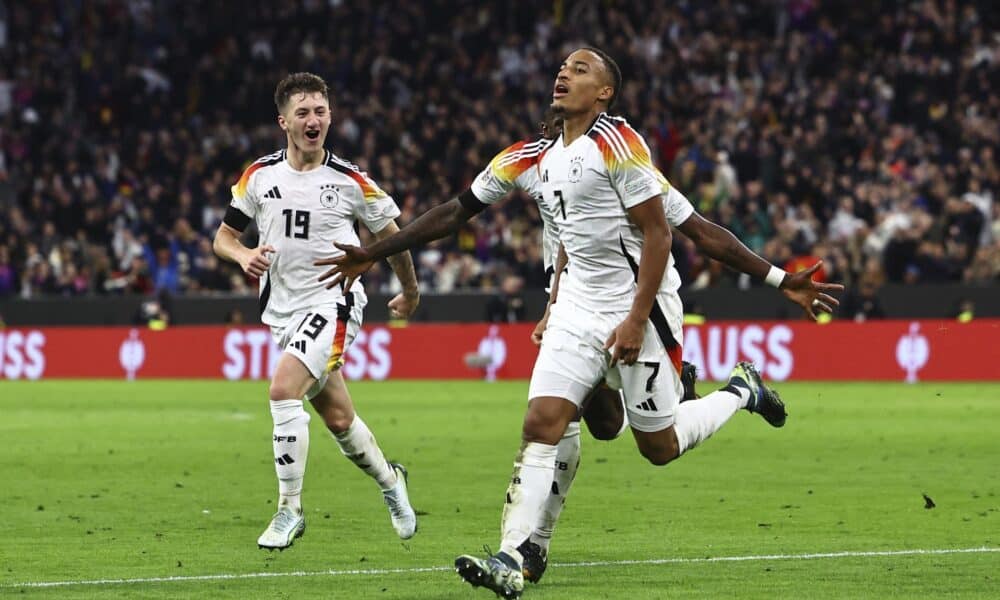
[720, 244]
[434, 224]
[438, 222]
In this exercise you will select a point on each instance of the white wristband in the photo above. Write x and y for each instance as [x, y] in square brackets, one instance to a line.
[775, 276]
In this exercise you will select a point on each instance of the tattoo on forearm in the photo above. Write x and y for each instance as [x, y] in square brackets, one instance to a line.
[402, 266]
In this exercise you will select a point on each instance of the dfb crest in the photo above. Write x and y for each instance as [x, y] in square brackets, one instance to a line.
[329, 195]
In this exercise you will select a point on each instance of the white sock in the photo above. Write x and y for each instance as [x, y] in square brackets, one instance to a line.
[291, 448]
[699, 419]
[358, 444]
[529, 487]
[567, 461]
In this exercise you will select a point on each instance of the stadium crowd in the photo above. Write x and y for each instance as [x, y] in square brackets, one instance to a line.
[864, 134]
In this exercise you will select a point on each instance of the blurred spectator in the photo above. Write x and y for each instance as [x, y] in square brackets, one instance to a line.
[137, 279]
[39, 281]
[844, 224]
[862, 304]
[155, 312]
[507, 306]
[8, 277]
[166, 271]
[235, 317]
[966, 310]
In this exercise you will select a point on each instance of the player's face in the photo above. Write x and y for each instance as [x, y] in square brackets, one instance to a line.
[580, 83]
[306, 119]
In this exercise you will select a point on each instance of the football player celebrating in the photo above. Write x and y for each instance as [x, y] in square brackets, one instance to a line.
[302, 198]
[614, 313]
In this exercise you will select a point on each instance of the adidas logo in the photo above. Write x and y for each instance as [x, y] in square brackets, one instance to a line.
[273, 193]
[284, 459]
[356, 459]
[647, 405]
[300, 346]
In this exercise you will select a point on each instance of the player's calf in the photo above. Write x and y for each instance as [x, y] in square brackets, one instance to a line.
[658, 447]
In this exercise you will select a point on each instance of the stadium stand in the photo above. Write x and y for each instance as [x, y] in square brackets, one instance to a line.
[864, 134]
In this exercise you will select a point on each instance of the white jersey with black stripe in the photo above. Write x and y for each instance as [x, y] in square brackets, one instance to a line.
[301, 214]
[677, 209]
[589, 186]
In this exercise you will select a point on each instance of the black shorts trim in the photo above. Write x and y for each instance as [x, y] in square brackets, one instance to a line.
[344, 310]
[656, 313]
[265, 294]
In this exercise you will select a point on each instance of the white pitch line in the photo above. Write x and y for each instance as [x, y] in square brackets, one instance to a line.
[598, 563]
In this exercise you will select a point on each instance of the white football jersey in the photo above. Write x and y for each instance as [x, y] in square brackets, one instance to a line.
[677, 209]
[301, 214]
[515, 167]
[586, 191]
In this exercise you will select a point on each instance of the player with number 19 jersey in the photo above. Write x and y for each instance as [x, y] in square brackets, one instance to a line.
[301, 214]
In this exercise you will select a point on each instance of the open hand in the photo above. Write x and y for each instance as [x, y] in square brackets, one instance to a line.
[626, 341]
[256, 262]
[346, 267]
[811, 295]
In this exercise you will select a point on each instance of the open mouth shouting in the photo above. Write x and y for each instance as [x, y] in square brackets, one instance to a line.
[312, 134]
[560, 90]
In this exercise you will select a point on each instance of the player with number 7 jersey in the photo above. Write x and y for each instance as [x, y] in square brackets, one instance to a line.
[617, 316]
[302, 199]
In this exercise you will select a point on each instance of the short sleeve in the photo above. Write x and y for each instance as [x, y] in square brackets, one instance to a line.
[677, 207]
[500, 177]
[244, 197]
[375, 208]
[627, 159]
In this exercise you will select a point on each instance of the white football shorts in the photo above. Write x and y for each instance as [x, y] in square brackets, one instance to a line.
[572, 360]
[320, 337]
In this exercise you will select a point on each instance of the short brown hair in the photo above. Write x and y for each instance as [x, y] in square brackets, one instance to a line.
[299, 83]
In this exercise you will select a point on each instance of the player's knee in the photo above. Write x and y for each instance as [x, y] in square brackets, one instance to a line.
[338, 423]
[280, 390]
[658, 457]
[539, 427]
[660, 454]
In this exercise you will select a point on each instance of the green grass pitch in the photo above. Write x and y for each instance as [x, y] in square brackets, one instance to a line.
[149, 480]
